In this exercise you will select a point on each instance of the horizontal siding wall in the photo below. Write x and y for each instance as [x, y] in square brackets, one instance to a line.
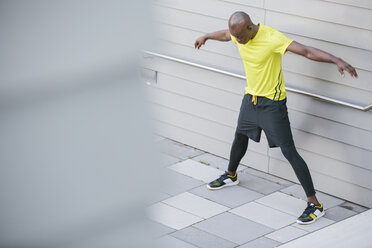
[200, 108]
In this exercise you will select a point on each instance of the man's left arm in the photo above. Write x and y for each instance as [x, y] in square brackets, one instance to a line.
[322, 56]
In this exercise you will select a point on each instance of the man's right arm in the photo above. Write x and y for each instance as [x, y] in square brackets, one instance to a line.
[222, 35]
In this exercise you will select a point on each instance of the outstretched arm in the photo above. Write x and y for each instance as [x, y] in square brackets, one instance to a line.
[222, 35]
[322, 56]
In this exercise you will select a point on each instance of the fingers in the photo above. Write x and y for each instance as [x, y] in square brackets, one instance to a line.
[198, 44]
[351, 70]
[342, 72]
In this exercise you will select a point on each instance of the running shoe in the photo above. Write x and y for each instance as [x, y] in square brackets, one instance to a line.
[311, 214]
[223, 181]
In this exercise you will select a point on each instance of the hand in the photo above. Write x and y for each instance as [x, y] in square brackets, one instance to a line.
[342, 65]
[200, 41]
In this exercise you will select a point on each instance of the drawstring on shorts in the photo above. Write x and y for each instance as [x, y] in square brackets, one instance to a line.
[254, 99]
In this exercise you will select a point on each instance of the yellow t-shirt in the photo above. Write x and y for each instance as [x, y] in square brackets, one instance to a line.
[262, 59]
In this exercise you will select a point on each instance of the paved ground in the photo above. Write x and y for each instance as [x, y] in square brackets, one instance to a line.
[259, 212]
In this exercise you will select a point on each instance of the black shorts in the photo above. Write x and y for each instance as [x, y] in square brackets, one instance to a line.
[269, 115]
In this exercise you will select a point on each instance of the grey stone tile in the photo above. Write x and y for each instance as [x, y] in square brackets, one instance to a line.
[215, 161]
[258, 184]
[269, 177]
[158, 230]
[174, 183]
[202, 239]
[171, 216]
[230, 196]
[196, 205]
[328, 201]
[197, 170]
[338, 213]
[353, 207]
[286, 234]
[261, 242]
[284, 203]
[177, 149]
[167, 160]
[168, 241]
[355, 231]
[318, 224]
[156, 197]
[234, 228]
[264, 215]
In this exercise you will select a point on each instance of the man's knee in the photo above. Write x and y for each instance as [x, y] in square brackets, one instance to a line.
[239, 137]
[289, 151]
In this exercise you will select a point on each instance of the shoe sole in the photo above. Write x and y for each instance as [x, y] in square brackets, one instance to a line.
[223, 186]
[310, 222]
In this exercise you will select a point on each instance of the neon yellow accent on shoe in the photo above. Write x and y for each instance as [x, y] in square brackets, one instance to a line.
[312, 216]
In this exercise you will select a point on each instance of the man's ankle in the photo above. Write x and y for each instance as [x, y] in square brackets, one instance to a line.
[231, 173]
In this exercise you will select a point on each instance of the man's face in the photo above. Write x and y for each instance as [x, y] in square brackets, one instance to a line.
[243, 33]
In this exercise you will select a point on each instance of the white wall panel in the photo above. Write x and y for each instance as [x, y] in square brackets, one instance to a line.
[357, 3]
[253, 3]
[327, 31]
[324, 11]
[218, 9]
[359, 58]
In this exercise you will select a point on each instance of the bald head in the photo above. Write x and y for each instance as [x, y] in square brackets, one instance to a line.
[241, 27]
[239, 18]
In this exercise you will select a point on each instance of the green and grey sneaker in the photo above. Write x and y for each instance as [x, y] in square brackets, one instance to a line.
[311, 214]
[223, 181]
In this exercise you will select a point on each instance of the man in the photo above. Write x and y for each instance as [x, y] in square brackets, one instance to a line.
[264, 103]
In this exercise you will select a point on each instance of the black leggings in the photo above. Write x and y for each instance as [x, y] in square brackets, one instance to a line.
[239, 148]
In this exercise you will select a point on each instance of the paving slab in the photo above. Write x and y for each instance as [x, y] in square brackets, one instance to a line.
[318, 224]
[158, 230]
[216, 162]
[261, 242]
[196, 205]
[202, 239]
[353, 207]
[328, 201]
[258, 184]
[156, 197]
[285, 203]
[166, 160]
[355, 231]
[338, 213]
[172, 242]
[286, 234]
[234, 228]
[177, 149]
[267, 176]
[233, 196]
[264, 215]
[197, 170]
[174, 183]
[171, 216]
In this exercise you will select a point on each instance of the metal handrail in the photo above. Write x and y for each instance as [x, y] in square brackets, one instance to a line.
[325, 98]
